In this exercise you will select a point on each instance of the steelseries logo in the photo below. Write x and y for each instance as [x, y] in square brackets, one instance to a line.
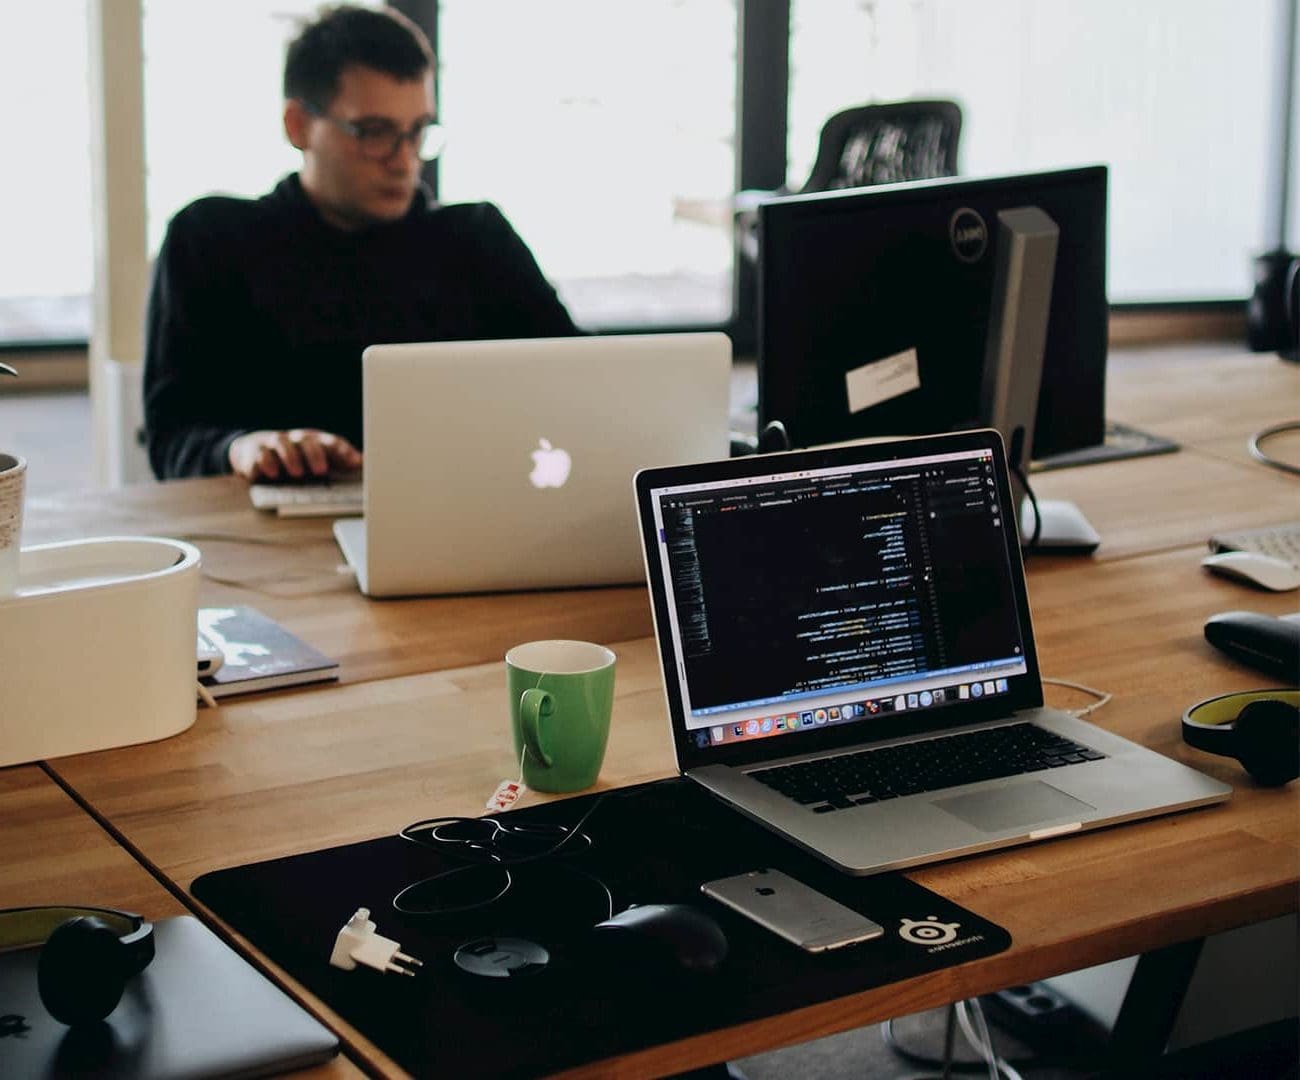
[969, 235]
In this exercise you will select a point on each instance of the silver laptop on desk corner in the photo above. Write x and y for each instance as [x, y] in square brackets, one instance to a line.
[848, 657]
[496, 465]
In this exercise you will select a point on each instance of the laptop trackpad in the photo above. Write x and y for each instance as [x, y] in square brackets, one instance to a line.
[1030, 803]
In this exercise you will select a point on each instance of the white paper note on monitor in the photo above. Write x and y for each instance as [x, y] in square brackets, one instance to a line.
[882, 379]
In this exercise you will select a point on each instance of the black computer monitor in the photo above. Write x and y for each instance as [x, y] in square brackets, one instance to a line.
[851, 278]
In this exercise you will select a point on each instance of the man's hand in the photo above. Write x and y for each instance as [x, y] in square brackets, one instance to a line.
[297, 455]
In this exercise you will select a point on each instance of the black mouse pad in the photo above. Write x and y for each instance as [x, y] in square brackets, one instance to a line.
[656, 843]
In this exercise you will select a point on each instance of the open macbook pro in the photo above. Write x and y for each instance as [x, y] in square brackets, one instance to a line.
[504, 464]
[848, 657]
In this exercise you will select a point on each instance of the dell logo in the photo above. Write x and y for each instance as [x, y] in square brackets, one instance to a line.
[969, 235]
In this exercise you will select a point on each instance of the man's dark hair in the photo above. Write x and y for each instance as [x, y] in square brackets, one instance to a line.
[378, 38]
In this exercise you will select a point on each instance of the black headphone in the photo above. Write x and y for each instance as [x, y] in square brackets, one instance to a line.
[1273, 310]
[1260, 728]
[87, 956]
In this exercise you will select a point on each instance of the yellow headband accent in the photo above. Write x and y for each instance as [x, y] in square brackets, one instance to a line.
[1225, 708]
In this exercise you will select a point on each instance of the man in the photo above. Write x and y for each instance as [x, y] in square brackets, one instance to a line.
[260, 309]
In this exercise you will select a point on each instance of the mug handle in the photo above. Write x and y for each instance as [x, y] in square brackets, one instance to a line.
[533, 705]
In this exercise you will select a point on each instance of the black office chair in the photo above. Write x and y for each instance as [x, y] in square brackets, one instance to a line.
[886, 143]
[882, 143]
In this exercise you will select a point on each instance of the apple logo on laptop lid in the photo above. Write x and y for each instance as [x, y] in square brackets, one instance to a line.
[550, 465]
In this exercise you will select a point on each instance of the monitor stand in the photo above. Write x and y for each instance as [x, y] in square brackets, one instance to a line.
[1013, 370]
[1118, 441]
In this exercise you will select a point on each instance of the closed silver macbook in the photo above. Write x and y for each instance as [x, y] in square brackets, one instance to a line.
[495, 465]
[848, 657]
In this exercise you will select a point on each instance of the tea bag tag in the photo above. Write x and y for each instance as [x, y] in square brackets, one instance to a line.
[508, 792]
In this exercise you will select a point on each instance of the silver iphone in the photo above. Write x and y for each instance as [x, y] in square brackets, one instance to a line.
[788, 907]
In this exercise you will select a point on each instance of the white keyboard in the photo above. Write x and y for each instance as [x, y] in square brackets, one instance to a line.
[1280, 541]
[330, 498]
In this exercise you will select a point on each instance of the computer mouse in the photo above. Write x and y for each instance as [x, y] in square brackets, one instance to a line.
[1268, 643]
[1254, 568]
[674, 935]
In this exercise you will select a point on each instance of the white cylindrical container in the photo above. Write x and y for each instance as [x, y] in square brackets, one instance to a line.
[97, 646]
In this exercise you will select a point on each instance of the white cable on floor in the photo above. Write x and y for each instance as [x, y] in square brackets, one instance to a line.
[982, 1040]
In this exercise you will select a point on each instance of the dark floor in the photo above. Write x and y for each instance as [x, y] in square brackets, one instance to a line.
[1269, 1053]
[864, 1053]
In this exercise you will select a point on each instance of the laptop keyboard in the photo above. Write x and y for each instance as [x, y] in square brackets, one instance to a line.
[331, 498]
[867, 776]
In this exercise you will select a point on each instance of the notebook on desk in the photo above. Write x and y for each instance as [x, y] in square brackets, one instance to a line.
[848, 657]
[504, 464]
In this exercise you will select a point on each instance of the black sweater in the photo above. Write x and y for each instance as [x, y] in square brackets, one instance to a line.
[259, 311]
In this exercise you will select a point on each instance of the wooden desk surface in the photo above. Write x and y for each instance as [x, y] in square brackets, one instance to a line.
[293, 570]
[53, 852]
[1208, 396]
[276, 774]
[280, 774]
[1210, 400]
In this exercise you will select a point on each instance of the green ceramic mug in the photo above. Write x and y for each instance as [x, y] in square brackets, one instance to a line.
[561, 696]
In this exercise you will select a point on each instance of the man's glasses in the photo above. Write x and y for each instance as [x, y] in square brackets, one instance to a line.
[379, 140]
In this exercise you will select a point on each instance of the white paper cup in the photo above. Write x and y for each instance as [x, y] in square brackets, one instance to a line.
[13, 478]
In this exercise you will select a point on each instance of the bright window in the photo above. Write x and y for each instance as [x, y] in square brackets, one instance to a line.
[588, 122]
[605, 129]
[45, 207]
[1178, 101]
[214, 102]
